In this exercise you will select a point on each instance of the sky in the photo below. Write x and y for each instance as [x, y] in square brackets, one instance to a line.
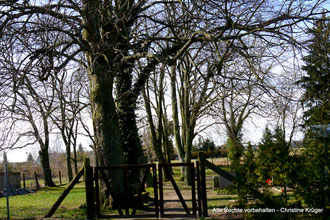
[20, 155]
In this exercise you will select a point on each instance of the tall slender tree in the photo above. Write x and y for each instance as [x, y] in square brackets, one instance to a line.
[316, 99]
[316, 82]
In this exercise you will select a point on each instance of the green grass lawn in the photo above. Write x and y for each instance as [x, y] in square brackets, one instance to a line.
[38, 204]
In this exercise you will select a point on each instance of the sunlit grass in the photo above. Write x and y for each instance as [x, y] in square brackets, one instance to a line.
[39, 203]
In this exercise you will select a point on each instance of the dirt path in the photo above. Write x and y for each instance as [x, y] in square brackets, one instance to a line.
[173, 208]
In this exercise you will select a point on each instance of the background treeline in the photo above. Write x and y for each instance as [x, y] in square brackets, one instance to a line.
[57, 163]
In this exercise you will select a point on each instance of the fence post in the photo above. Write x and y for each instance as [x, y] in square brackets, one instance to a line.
[97, 192]
[154, 170]
[36, 177]
[201, 159]
[193, 190]
[24, 180]
[59, 175]
[89, 184]
[198, 189]
[161, 198]
[7, 189]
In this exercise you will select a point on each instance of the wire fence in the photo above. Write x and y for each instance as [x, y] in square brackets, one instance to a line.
[27, 197]
[220, 195]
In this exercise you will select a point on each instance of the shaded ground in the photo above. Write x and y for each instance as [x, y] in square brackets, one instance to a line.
[173, 209]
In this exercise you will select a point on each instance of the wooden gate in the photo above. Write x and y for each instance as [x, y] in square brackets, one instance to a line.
[91, 178]
[165, 168]
[124, 168]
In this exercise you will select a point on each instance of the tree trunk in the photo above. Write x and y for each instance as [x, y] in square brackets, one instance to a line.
[188, 126]
[175, 116]
[126, 105]
[101, 59]
[106, 127]
[44, 159]
[154, 139]
[68, 161]
[132, 147]
[115, 129]
[188, 145]
[75, 158]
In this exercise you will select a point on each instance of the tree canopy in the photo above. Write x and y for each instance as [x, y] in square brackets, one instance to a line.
[121, 42]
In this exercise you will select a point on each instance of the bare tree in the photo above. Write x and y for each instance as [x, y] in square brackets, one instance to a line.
[70, 93]
[154, 101]
[286, 111]
[29, 114]
[113, 35]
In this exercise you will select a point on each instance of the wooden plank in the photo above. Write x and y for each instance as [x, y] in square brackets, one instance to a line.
[176, 188]
[198, 190]
[126, 192]
[176, 164]
[36, 178]
[201, 158]
[97, 192]
[105, 180]
[140, 190]
[161, 196]
[154, 170]
[89, 187]
[24, 181]
[193, 190]
[126, 167]
[65, 193]
[219, 171]
[59, 175]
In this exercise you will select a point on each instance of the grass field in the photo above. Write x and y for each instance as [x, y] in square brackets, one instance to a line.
[39, 203]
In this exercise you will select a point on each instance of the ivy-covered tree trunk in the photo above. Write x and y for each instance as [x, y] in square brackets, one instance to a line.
[235, 154]
[126, 106]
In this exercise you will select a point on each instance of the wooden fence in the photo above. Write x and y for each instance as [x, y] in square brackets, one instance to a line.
[93, 206]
